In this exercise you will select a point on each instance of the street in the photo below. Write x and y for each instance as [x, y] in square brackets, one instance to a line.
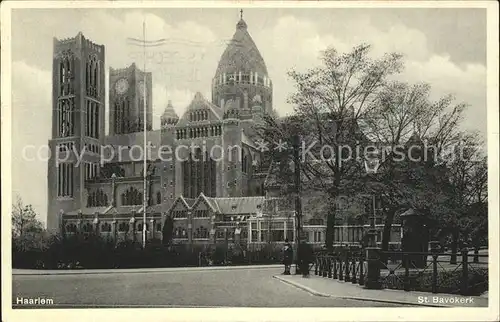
[182, 288]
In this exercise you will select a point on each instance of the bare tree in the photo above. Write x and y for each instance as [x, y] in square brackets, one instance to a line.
[431, 184]
[402, 117]
[27, 230]
[468, 193]
[331, 99]
[24, 219]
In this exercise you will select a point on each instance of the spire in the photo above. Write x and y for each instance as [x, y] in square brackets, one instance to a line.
[169, 117]
[241, 24]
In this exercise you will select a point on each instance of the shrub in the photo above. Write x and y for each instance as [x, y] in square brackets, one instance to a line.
[447, 281]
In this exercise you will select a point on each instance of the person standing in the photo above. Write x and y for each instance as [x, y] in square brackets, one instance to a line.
[306, 255]
[287, 257]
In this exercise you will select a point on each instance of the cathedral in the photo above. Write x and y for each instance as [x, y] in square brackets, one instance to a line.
[204, 170]
[212, 187]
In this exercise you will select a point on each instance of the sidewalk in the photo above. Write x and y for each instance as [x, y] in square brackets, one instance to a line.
[327, 287]
[16, 271]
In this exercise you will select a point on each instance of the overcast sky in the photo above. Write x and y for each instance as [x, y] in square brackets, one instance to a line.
[445, 47]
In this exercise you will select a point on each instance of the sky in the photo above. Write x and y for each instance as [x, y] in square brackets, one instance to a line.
[444, 47]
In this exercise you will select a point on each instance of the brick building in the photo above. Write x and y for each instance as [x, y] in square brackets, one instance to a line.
[99, 187]
[105, 191]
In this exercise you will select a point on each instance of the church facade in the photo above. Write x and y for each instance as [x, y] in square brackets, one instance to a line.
[204, 170]
[211, 181]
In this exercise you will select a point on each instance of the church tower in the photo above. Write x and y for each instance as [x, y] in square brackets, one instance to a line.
[242, 67]
[78, 95]
[127, 91]
[168, 121]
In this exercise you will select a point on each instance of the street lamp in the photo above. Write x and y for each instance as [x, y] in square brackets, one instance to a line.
[298, 201]
[142, 43]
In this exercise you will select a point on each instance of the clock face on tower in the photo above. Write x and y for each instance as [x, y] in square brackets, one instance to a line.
[121, 86]
[142, 88]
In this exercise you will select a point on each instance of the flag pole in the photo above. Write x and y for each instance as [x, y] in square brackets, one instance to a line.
[144, 93]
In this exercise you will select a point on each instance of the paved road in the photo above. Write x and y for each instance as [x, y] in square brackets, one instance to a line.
[233, 288]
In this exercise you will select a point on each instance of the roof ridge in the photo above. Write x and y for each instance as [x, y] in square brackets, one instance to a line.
[238, 197]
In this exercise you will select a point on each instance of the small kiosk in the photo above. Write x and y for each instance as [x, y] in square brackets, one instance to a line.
[415, 237]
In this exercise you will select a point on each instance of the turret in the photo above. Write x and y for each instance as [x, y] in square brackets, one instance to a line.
[169, 117]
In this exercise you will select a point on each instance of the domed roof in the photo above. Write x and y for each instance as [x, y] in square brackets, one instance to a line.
[241, 55]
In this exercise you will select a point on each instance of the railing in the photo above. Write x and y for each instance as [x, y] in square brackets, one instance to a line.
[409, 271]
[345, 265]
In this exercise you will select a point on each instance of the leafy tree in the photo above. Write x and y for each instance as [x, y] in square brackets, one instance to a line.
[405, 121]
[329, 100]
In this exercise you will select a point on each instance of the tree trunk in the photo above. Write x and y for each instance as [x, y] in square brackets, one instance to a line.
[386, 234]
[330, 222]
[454, 246]
[330, 231]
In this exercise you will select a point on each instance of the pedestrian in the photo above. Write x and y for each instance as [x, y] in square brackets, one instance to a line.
[306, 255]
[287, 257]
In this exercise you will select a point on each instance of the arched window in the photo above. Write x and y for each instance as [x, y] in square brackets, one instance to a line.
[61, 73]
[71, 228]
[131, 197]
[97, 199]
[87, 228]
[87, 75]
[204, 232]
[199, 175]
[97, 73]
[140, 227]
[123, 227]
[106, 227]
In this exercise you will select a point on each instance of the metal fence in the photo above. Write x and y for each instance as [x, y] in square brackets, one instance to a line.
[347, 265]
[410, 271]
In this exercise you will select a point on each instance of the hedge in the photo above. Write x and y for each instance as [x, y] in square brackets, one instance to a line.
[97, 252]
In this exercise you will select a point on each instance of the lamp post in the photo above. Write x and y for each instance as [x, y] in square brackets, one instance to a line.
[143, 43]
[298, 201]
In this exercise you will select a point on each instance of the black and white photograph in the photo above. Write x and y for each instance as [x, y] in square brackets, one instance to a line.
[225, 155]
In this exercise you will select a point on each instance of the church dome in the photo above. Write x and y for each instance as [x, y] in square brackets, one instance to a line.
[241, 55]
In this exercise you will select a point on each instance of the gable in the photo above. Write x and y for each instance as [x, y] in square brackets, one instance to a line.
[203, 203]
[179, 205]
[200, 111]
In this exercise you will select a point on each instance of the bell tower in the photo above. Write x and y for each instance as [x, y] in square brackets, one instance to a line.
[77, 122]
[128, 87]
